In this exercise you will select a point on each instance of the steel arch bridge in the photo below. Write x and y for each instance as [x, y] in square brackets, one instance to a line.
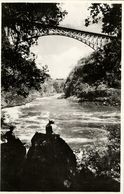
[94, 40]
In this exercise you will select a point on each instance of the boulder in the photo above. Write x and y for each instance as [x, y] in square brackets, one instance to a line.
[50, 164]
[12, 159]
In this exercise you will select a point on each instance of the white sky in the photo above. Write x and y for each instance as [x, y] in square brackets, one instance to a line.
[62, 53]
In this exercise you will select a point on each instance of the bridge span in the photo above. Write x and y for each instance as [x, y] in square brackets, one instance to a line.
[92, 39]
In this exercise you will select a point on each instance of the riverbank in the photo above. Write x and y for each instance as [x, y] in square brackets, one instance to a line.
[109, 97]
[9, 99]
[104, 97]
[12, 101]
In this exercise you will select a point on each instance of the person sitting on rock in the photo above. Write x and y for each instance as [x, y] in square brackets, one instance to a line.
[9, 134]
[49, 130]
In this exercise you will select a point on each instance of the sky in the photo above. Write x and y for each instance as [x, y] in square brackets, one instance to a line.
[62, 53]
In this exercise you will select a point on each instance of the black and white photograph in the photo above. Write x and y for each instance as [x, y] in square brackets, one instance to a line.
[61, 83]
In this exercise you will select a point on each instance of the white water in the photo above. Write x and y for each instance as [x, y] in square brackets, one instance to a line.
[77, 124]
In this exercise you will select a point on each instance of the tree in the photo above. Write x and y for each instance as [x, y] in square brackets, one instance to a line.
[23, 22]
[21, 25]
[111, 16]
[103, 65]
[19, 74]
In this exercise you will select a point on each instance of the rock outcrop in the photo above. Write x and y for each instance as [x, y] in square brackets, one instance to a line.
[50, 164]
[12, 160]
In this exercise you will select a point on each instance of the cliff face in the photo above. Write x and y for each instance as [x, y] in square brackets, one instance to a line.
[49, 165]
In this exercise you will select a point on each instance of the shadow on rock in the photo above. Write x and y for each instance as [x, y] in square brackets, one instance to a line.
[85, 180]
[50, 164]
[12, 159]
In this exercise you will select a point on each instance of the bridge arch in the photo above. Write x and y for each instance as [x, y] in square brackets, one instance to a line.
[91, 39]
[94, 40]
[84, 42]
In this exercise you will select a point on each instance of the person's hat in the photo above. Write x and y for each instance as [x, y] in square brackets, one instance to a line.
[11, 127]
[51, 122]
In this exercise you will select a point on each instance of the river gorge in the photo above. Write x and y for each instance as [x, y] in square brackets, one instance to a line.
[78, 124]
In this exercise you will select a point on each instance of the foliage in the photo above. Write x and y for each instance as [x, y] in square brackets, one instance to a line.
[93, 71]
[47, 88]
[52, 86]
[19, 74]
[110, 16]
[104, 65]
[58, 84]
[21, 25]
[104, 158]
[23, 22]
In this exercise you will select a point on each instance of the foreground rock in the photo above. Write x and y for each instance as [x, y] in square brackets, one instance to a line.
[12, 159]
[50, 164]
[85, 180]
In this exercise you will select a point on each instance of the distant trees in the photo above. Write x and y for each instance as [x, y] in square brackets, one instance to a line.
[58, 84]
[21, 25]
[52, 86]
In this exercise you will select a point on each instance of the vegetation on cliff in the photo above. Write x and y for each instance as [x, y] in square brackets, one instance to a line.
[91, 81]
[99, 75]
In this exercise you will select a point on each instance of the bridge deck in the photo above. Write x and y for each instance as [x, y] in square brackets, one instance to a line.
[82, 31]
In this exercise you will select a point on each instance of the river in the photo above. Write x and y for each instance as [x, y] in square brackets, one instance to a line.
[77, 124]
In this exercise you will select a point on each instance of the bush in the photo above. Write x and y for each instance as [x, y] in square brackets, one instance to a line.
[104, 159]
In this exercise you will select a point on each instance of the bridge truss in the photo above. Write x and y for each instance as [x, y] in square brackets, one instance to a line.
[93, 40]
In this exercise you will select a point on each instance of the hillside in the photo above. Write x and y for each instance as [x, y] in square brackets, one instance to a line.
[95, 79]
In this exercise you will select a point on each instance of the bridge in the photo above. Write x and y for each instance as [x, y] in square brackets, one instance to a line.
[93, 40]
